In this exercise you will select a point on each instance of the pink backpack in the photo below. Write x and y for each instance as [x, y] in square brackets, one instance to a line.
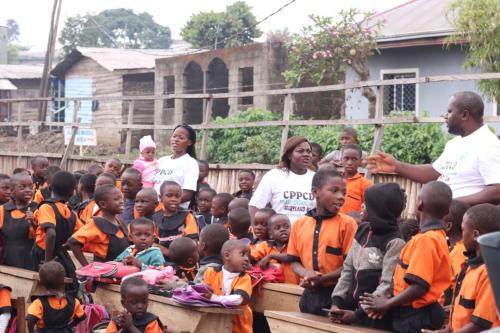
[94, 314]
[106, 272]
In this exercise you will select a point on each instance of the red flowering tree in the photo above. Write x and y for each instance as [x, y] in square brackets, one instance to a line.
[324, 50]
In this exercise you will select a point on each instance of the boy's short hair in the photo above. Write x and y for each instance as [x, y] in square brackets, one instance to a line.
[250, 172]
[3, 176]
[205, 163]
[133, 171]
[36, 159]
[437, 198]
[102, 192]
[63, 184]
[230, 245]
[484, 217]
[52, 169]
[409, 228]
[50, 274]
[94, 168]
[214, 236]
[238, 203]
[239, 221]
[209, 190]
[78, 175]
[19, 170]
[457, 212]
[134, 281]
[323, 174]
[142, 221]
[108, 175]
[275, 217]
[351, 131]
[181, 249]
[315, 145]
[267, 210]
[355, 147]
[168, 183]
[225, 198]
[88, 182]
[114, 159]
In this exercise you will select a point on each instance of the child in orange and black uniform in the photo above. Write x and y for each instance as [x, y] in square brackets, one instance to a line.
[4, 189]
[85, 190]
[54, 311]
[44, 193]
[220, 209]
[17, 225]
[56, 223]
[246, 179]
[457, 247]
[5, 307]
[239, 226]
[320, 241]
[356, 184]
[146, 203]
[135, 318]
[423, 272]
[212, 238]
[275, 249]
[131, 184]
[114, 166]
[92, 209]
[39, 166]
[231, 279]
[260, 224]
[183, 253]
[473, 308]
[172, 221]
[204, 204]
[103, 236]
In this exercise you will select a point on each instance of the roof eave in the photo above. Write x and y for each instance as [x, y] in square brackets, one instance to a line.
[419, 35]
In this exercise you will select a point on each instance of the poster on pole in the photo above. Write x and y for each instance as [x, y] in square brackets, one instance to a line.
[84, 136]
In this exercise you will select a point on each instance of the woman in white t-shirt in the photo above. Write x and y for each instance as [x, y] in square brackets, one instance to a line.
[180, 167]
[288, 187]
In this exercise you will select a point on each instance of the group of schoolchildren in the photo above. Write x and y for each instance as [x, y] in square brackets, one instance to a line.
[372, 270]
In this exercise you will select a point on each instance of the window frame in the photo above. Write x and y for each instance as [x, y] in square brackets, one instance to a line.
[406, 71]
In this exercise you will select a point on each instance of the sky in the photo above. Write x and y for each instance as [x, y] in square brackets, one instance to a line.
[33, 16]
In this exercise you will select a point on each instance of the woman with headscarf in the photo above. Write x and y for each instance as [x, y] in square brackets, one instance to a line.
[288, 187]
[372, 259]
[180, 167]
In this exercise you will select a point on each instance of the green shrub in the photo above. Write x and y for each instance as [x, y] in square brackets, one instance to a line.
[412, 143]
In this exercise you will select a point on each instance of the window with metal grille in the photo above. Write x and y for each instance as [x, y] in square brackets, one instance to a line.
[400, 97]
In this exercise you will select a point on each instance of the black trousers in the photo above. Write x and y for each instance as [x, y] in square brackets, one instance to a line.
[409, 320]
[315, 299]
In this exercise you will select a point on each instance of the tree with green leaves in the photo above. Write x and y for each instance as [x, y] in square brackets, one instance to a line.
[477, 22]
[13, 46]
[120, 28]
[12, 30]
[234, 27]
[322, 52]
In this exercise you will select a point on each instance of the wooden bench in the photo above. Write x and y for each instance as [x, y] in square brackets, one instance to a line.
[277, 297]
[172, 314]
[296, 322]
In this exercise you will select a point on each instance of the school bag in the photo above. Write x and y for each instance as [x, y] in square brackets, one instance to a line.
[106, 272]
[273, 273]
[95, 314]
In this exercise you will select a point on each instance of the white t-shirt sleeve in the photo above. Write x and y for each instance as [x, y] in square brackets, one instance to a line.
[489, 164]
[264, 192]
[191, 173]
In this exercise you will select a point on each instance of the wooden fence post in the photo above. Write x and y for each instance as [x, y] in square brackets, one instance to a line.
[130, 120]
[206, 119]
[287, 110]
[379, 128]
[74, 129]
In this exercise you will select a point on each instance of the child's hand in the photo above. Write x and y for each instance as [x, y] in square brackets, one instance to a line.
[376, 305]
[126, 321]
[264, 262]
[310, 280]
[29, 216]
[132, 261]
[342, 316]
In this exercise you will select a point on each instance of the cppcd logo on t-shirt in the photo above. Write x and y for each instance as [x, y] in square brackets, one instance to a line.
[298, 195]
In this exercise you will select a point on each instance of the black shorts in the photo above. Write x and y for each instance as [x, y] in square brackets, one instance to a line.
[409, 320]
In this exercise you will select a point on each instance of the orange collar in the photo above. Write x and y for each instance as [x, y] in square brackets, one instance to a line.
[356, 176]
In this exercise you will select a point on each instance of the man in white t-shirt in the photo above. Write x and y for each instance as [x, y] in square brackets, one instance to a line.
[469, 164]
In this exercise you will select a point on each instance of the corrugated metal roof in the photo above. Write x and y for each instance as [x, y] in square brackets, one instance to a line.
[121, 59]
[415, 19]
[20, 72]
[7, 85]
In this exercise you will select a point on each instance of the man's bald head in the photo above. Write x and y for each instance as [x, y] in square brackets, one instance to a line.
[469, 101]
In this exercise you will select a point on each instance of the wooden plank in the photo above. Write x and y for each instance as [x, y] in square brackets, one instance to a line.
[206, 118]
[174, 315]
[20, 315]
[379, 128]
[130, 120]
[277, 297]
[296, 322]
[287, 110]
[74, 129]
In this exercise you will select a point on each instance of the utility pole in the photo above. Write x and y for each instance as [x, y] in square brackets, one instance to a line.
[49, 57]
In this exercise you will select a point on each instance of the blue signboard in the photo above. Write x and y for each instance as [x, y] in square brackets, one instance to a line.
[79, 88]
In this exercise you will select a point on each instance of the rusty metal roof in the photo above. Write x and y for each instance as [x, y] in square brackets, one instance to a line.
[18, 72]
[415, 19]
[120, 59]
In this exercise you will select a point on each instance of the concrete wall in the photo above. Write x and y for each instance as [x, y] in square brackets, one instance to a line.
[104, 83]
[430, 60]
[3, 45]
[265, 59]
